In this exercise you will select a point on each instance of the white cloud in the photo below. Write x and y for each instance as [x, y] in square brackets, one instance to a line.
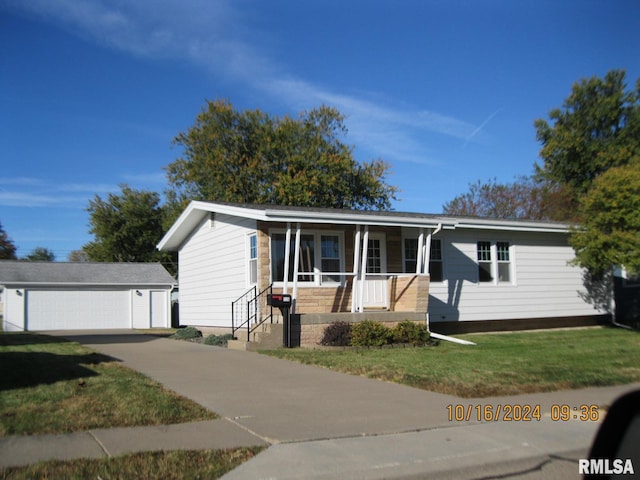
[154, 178]
[22, 199]
[40, 192]
[215, 35]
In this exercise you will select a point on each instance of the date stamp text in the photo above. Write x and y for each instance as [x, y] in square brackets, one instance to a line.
[521, 413]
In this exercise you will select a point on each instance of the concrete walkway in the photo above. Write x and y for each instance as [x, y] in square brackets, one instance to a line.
[322, 424]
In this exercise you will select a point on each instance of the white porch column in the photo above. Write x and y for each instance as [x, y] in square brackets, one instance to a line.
[287, 253]
[363, 268]
[296, 267]
[420, 252]
[356, 267]
[427, 252]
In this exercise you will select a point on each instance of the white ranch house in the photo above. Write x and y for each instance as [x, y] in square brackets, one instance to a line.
[459, 274]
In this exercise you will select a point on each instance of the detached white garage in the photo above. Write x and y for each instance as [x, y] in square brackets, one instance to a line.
[79, 296]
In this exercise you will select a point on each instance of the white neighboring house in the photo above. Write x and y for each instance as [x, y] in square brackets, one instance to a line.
[69, 296]
[462, 274]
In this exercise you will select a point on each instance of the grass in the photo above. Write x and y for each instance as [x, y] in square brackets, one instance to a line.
[500, 364]
[150, 465]
[51, 385]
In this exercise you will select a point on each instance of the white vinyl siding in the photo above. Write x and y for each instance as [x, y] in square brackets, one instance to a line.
[547, 286]
[213, 270]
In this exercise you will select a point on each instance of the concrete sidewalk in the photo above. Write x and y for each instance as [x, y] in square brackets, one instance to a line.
[109, 442]
[323, 424]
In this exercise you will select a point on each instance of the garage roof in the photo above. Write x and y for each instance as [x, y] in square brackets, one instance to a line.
[66, 273]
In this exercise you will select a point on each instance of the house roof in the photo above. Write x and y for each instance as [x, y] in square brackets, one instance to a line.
[197, 211]
[96, 274]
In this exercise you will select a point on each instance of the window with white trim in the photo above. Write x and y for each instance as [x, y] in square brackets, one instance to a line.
[436, 272]
[504, 262]
[253, 259]
[329, 257]
[410, 254]
[485, 264]
[435, 258]
[494, 262]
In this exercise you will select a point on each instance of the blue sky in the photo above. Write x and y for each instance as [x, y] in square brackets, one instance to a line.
[93, 91]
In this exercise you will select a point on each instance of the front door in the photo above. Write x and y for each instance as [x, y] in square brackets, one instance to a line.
[376, 284]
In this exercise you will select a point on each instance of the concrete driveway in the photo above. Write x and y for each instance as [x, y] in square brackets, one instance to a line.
[277, 400]
[324, 424]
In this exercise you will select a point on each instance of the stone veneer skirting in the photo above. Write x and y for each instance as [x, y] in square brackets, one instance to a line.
[307, 329]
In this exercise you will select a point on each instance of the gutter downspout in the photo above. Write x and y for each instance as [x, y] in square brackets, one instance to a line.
[447, 338]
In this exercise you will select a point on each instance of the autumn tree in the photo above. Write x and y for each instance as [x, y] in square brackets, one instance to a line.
[126, 227]
[597, 128]
[252, 157]
[609, 234]
[524, 198]
[7, 247]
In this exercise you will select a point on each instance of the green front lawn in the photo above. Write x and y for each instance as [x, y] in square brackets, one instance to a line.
[149, 465]
[51, 385]
[500, 364]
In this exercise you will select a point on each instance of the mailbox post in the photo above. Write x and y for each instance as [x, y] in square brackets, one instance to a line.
[283, 302]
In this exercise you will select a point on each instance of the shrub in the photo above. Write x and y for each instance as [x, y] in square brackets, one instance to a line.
[187, 333]
[338, 334]
[218, 340]
[411, 332]
[370, 334]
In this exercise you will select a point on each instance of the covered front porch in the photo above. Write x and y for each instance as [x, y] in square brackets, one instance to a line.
[347, 268]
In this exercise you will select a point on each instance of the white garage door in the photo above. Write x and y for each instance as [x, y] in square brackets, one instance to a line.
[77, 309]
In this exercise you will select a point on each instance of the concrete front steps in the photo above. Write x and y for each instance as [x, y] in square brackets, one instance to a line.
[264, 337]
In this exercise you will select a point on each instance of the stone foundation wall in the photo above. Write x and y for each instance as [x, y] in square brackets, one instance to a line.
[309, 329]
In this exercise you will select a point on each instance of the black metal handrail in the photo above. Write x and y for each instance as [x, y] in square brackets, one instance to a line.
[250, 308]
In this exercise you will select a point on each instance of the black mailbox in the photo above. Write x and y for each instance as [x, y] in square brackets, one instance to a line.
[279, 300]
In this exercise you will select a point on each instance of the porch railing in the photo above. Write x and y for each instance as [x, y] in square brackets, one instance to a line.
[250, 310]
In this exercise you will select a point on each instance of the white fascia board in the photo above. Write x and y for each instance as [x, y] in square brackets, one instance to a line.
[186, 221]
[349, 219]
[197, 211]
[87, 285]
[515, 226]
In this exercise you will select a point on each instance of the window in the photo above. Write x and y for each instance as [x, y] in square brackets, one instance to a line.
[435, 258]
[484, 262]
[374, 256]
[410, 254]
[327, 258]
[330, 257]
[435, 261]
[494, 262]
[253, 259]
[504, 263]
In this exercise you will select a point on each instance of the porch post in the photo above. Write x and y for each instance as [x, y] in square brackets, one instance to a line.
[427, 252]
[296, 266]
[356, 267]
[363, 268]
[287, 252]
[420, 252]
